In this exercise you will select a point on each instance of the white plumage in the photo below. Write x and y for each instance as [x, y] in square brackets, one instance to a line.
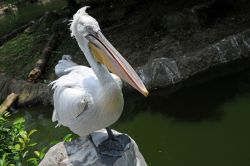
[65, 63]
[88, 99]
[76, 97]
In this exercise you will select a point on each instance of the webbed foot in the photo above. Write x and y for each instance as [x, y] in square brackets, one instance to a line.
[112, 148]
[113, 145]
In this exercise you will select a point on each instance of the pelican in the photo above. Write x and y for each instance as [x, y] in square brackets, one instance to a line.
[89, 99]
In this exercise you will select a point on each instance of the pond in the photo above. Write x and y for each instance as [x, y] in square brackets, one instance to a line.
[206, 125]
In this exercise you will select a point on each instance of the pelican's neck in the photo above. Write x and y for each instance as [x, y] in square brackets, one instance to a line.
[101, 71]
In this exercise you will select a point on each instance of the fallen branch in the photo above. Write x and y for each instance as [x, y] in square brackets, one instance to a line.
[41, 63]
[11, 98]
[14, 33]
[28, 93]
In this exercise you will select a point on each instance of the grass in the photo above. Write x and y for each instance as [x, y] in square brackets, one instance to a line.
[28, 13]
[19, 55]
[68, 45]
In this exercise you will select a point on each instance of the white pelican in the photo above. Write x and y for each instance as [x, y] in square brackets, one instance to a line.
[88, 99]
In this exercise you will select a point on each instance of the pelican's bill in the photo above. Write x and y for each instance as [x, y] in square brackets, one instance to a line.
[106, 54]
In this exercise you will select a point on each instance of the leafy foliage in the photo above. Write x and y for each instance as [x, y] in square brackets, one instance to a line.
[68, 138]
[39, 155]
[15, 143]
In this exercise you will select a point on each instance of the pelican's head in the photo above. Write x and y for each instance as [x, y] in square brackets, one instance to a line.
[83, 24]
[86, 27]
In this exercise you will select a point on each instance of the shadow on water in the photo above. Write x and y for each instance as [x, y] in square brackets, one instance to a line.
[206, 124]
[191, 104]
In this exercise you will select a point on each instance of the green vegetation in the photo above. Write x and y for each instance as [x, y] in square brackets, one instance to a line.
[15, 143]
[12, 1]
[38, 156]
[28, 13]
[19, 55]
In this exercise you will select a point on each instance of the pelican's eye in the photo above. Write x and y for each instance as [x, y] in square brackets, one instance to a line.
[90, 29]
[85, 29]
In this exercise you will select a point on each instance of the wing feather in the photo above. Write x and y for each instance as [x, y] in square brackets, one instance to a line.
[71, 97]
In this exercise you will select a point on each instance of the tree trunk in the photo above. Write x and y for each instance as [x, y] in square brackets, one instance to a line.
[41, 63]
[14, 33]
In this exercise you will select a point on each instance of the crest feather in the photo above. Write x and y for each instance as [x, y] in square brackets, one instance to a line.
[76, 16]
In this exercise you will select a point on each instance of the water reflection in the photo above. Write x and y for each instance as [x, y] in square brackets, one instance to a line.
[190, 104]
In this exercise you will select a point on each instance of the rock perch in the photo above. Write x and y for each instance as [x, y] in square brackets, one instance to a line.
[81, 152]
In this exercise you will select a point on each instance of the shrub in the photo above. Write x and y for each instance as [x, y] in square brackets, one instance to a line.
[15, 143]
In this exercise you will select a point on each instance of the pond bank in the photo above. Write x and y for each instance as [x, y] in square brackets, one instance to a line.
[190, 43]
[227, 56]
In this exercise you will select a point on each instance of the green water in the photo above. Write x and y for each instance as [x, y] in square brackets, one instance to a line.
[206, 125]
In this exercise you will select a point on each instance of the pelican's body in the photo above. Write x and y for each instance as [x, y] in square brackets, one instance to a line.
[83, 103]
[88, 99]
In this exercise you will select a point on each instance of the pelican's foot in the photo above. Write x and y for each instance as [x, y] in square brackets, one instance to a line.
[93, 143]
[114, 147]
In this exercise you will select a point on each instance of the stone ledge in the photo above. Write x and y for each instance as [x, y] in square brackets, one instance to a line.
[81, 152]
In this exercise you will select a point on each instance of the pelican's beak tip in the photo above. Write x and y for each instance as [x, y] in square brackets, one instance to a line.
[145, 92]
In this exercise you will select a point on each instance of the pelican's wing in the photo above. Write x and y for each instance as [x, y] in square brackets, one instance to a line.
[88, 72]
[69, 103]
[71, 97]
[83, 70]
[62, 66]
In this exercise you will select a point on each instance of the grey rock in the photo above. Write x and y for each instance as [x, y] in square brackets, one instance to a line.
[81, 152]
[163, 71]
[179, 20]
